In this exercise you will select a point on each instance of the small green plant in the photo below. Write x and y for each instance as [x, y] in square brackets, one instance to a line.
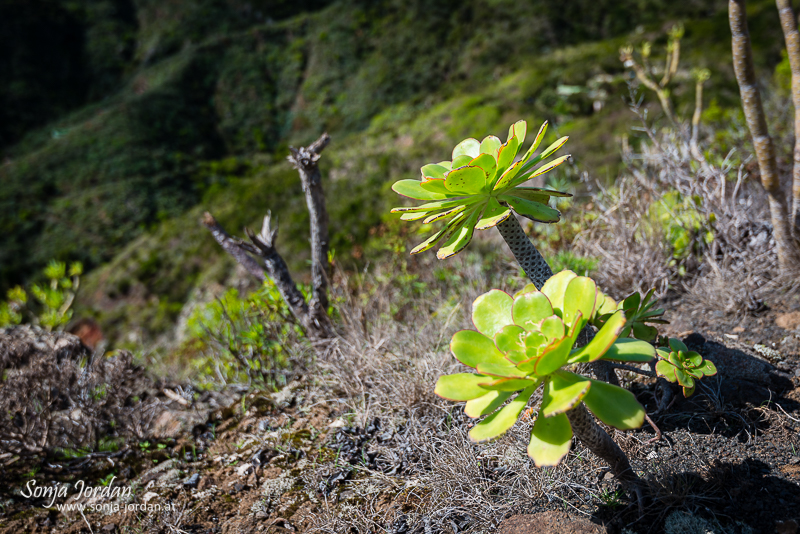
[679, 364]
[639, 312]
[106, 480]
[611, 499]
[480, 187]
[243, 337]
[527, 341]
[53, 300]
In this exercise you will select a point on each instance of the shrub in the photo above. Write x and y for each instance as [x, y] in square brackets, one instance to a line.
[237, 338]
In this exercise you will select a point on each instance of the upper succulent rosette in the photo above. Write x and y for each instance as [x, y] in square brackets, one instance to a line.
[527, 341]
[480, 187]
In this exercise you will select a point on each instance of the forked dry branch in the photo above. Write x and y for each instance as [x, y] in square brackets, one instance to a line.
[312, 315]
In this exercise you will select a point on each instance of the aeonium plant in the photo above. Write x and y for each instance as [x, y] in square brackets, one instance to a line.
[679, 364]
[527, 342]
[480, 187]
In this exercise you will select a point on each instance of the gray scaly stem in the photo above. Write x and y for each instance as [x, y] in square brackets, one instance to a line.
[602, 445]
[524, 252]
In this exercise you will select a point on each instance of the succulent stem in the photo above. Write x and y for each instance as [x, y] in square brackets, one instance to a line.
[597, 440]
[526, 254]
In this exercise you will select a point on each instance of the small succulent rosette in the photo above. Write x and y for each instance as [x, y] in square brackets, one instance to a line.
[526, 342]
[679, 364]
[479, 188]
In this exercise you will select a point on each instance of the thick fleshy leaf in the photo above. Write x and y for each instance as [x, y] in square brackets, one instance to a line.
[485, 162]
[677, 345]
[535, 343]
[708, 368]
[693, 358]
[461, 237]
[688, 392]
[579, 299]
[509, 384]
[434, 206]
[460, 387]
[630, 350]
[684, 379]
[546, 154]
[562, 392]
[499, 422]
[465, 180]
[509, 341]
[441, 234]
[414, 216]
[614, 406]
[530, 308]
[435, 186]
[508, 176]
[486, 404]
[536, 211]
[536, 142]
[461, 161]
[527, 288]
[518, 130]
[552, 327]
[446, 164]
[491, 145]
[556, 286]
[666, 369]
[412, 189]
[632, 302]
[551, 438]
[644, 332]
[525, 176]
[468, 147]
[492, 311]
[554, 358]
[507, 154]
[444, 214]
[433, 171]
[471, 348]
[601, 342]
[605, 304]
[502, 370]
[521, 191]
[528, 195]
[493, 215]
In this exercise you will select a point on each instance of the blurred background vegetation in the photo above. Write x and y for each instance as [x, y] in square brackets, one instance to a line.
[121, 121]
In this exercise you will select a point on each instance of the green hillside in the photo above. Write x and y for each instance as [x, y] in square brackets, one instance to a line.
[178, 107]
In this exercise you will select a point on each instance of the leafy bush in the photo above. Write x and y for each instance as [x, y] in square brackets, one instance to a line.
[247, 338]
[53, 301]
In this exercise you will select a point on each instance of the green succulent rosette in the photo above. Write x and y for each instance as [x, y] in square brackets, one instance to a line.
[679, 364]
[480, 187]
[526, 342]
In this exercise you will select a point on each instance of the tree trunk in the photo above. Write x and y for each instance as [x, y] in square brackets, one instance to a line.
[787, 248]
[792, 37]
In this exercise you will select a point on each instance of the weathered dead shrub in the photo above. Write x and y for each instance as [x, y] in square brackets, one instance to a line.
[55, 395]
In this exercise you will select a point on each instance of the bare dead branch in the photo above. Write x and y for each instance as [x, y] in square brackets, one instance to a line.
[312, 316]
[232, 246]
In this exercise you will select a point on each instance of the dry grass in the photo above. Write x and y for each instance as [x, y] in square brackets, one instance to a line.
[734, 272]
